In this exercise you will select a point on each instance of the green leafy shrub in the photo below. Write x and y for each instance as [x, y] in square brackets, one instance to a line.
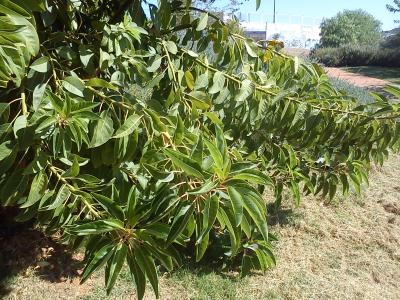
[119, 134]
[331, 57]
[355, 55]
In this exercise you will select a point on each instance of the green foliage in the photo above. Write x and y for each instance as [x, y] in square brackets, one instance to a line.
[355, 27]
[154, 176]
[394, 8]
[356, 55]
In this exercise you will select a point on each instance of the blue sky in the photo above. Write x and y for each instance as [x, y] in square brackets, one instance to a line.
[323, 9]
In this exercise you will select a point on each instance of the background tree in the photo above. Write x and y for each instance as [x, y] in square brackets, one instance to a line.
[393, 40]
[227, 8]
[394, 8]
[350, 27]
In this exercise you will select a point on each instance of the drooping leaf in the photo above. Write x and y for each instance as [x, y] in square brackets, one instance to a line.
[98, 259]
[37, 190]
[146, 263]
[218, 83]
[41, 65]
[103, 130]
[203, 20]
[110, 206]
[237, 204]
[6, 149]
[131, 123]
[74, 85]
[62, 196]
[97, 227]
[138, 276]
[209, 216]
[115, 265]
[180, 222]
[185, 163]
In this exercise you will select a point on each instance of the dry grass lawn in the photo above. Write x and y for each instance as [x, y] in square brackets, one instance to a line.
[349, 249]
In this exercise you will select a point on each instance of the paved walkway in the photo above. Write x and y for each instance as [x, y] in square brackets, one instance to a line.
[357, 79]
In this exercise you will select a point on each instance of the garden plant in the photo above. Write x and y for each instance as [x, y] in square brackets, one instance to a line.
[146, 134]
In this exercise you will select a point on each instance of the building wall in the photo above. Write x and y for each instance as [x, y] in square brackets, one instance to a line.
[256, 35]
[294, 31]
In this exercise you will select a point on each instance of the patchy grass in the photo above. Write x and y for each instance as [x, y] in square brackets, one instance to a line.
[390, 74]
[362, 95]
[348, 249]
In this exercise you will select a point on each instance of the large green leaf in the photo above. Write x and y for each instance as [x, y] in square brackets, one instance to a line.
[98, 259]
[41, 65]
[110, 206]
[62, 196]
[209, 216]
[37, 191]
[138, 276]
[180, 222]
[146, 263]
[131, 123]
[19, 41]
[237, 204]
[103, 130]
[114, 267]
[202, 22]
[256, 208]
[189, 166]
[6, 149]
[97, 227]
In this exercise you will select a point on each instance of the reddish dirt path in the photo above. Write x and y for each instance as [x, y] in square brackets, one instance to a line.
[357, 79]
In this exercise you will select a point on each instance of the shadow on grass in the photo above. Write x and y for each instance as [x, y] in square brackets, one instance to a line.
[23, 247]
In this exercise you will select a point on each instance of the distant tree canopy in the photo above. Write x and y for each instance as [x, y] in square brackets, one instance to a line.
[395, 8]
[350, 27]
[228, 8]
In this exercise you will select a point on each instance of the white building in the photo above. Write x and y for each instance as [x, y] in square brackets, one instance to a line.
[294, 31]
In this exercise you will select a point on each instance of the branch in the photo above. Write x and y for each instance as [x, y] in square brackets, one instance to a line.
[73, 189]
[267, 92]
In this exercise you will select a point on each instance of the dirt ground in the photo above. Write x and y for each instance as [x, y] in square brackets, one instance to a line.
[346, 251]
[357, 79]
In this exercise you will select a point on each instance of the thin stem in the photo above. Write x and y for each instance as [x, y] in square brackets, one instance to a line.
[111, 101]
[73, 189]
[23, 103]
[265, 91]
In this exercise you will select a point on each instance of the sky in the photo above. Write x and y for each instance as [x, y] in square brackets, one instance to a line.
[319, 9]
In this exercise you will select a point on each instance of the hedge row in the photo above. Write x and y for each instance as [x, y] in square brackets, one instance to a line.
[353, 55]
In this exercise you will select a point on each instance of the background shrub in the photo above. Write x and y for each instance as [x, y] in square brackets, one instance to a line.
[356, 55]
